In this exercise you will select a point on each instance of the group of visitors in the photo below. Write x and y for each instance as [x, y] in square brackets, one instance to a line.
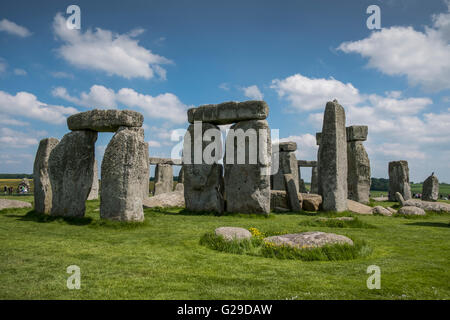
[21, 189]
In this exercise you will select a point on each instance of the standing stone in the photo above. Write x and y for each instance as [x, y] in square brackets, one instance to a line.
[146, 170]
[399, 180]
[247, 172]
[318, 141]
[123, 175]
[163, 178]
[42, 187]
[203, 182]
[181, 175]
[287, 164]
[430, 188]
[71, 165]
[333, 158]
[93, 194]
[358, 165]
[314, 182]
[294, 198]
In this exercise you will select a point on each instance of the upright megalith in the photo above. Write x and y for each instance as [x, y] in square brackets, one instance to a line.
[146, 171]
[71, 168]
[358, 164]
[430, 188]
[203, 180]
[287, 164]
[123, 175]
[314, 180]
[333, 158]
[42, 186]
[399, 180]
[93, 194]
[163, 178]
[318, 141]
[248, 167]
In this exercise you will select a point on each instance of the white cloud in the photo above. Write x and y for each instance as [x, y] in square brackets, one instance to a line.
[224, 86]
[253, 92]
[20, 72]
[16, 139]
[27, 105]
[13, 28]
[115, 54]
[164, 106]
[154, 144]
[306, 146]
[423, 57]
[305, 94]
[13, 122]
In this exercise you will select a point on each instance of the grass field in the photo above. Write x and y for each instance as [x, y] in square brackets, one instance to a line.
[163, 258]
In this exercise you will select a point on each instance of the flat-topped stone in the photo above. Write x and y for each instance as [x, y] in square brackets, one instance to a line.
[174, 162]
[312, 239]
[105, 120]
[307, 163]
[287, 146]
[229, 112]
[411, 211]
[357, 133]
[7, 204]
[233, 233]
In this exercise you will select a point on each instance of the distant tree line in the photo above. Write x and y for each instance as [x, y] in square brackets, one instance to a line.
[379, 184]
[15, 176]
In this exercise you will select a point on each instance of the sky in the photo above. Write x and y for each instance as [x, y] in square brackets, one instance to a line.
[162, 57]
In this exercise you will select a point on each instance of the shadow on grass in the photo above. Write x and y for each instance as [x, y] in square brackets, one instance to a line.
[185, 212]
[45, 218]
[430, 224]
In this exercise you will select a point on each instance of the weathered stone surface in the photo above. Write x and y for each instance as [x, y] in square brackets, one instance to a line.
[408, 210]
[279, 200]
[179, 187]
[123, 175]
[425, 205]
[163, 179]
[302, 186]
[310, 239]
[42, 187]
[105, 120]
[294, 198]
[247, 185]
[71, 171]
[93, 194]
[333, 159]
[146, 172]
[311, 202]
[381, 210]
[165, 200]
[8, 204]
[229, 112]
[287, 146]
[358, 179]
[181, 176]
[357, 207]
[430, 189]
[399, 180]
[318, 138]
[203, 183]
[314, 180]
[233, 233]
[391, 210]
[319, 184]
[287, 164]
[175, 162]
[357, 133]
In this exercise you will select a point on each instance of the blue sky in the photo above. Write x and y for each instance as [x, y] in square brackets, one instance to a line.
[162, 57]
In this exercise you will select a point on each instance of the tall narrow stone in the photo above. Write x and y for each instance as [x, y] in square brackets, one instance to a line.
[146, 170]
[358, 165]
[163, 178]
[430, 188]
[123, 175]
[93, 194]
[42, 187]
[247, 169]
[71, 165]
[287, 164]
[314, 180]
[399, 180]
[318, 141]
[203, 180]
[333, 158]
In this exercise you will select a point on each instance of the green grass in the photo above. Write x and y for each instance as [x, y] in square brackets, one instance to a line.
[163, 259]
[256, 246]
[334, 223]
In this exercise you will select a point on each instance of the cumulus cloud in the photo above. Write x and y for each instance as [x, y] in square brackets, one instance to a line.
[27, 105]
[13, 28]
[253, 92]
[423, 57]
[306, 94]
[163, 106]
[115, 54]
[17, 139]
